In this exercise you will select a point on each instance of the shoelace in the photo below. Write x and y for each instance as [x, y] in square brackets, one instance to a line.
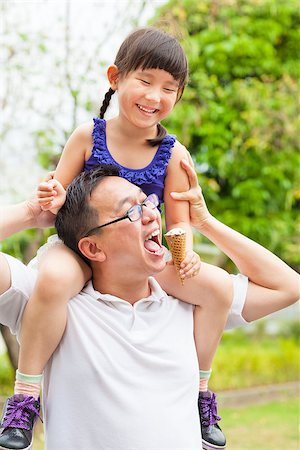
[18, 413]
[208, 411]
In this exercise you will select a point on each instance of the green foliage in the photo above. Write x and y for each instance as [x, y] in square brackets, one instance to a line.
[239, 117]
[253, 359]
[25, 244]
[6, 375]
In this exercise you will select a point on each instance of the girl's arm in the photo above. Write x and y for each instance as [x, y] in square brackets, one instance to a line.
[75, 152]
[177, 213]
[71, 163]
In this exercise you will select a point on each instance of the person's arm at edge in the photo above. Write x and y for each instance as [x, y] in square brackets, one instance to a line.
[15, 218]
[273, 284]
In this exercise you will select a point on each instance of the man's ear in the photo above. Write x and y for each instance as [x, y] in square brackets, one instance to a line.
[91, 249]
[112, 75]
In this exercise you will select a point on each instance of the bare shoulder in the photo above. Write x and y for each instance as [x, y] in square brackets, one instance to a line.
[84, 131]
[179, 152]
[81, 140]
[76, 151]
[176, 178]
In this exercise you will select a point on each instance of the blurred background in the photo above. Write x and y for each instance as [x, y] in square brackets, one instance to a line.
[239, 118]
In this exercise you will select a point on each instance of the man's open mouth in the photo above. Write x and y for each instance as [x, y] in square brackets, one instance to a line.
[152, 243]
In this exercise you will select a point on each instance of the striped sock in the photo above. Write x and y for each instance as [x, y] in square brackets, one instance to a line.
[28, 384]
[204, 377]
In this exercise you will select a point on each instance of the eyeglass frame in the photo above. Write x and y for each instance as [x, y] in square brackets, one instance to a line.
[126, 216]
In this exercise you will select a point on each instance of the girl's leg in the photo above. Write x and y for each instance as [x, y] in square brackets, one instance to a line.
[213, 302]
[62, 274]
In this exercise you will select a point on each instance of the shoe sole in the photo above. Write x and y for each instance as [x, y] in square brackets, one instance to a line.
[27, 448]
[207, 446]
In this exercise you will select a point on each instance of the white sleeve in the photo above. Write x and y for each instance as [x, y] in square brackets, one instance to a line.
[240, 286]
[13, 301]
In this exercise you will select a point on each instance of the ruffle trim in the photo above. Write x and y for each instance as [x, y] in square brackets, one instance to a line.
[146, 175]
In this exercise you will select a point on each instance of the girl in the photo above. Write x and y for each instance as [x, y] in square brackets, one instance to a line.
[149, 74]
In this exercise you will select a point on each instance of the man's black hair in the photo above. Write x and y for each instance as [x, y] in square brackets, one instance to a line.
[76, 217]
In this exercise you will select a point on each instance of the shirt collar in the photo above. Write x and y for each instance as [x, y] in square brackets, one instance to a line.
[157, 294]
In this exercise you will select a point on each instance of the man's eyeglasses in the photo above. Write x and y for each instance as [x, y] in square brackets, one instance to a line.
[133, 214]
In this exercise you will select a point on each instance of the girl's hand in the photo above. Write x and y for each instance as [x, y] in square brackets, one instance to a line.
[198, 209]
[51, 194]
[190, 266]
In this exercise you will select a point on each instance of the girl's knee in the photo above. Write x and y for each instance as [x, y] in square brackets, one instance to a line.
[55, 282]
[223, 292]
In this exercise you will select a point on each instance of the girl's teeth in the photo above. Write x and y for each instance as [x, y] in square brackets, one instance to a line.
[146, 110]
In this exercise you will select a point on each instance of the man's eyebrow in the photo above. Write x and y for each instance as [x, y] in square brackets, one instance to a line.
[128, 199]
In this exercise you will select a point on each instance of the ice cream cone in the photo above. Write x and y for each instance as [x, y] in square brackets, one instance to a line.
[176, 240]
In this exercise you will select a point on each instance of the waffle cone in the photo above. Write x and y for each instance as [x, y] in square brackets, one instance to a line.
[177, 247]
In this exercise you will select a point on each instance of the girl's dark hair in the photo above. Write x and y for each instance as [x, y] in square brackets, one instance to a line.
[151, 48]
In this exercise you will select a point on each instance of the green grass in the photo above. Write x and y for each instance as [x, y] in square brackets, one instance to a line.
[272, 426]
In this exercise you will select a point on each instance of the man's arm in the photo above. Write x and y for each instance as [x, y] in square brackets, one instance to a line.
[17, 280]
[273, 284]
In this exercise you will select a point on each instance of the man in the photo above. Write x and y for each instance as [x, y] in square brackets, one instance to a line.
[125, 375]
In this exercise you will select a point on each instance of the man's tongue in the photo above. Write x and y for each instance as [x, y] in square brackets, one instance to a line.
[151, 246]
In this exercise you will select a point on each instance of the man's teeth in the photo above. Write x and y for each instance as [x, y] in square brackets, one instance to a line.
[155, 233]
[146, 109]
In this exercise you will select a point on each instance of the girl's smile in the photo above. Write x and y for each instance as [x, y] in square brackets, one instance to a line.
[146, 96]
[146, 110]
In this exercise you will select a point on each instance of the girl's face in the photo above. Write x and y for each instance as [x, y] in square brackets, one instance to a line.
[146, 96]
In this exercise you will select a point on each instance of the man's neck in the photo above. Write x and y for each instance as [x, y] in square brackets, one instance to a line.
[130, 291]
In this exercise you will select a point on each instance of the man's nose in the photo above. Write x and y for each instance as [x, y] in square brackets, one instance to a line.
[149, 214]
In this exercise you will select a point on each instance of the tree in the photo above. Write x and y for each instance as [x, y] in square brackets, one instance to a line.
[239, 116]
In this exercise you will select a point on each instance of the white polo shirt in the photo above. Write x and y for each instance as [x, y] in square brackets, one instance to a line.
[124, 377]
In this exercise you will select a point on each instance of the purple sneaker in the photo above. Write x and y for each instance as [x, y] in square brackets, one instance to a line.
[17, 423]
[212, 435]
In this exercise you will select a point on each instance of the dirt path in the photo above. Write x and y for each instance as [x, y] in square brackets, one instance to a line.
[258, 395]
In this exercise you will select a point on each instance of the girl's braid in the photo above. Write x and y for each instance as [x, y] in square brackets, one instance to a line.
[161, 133]
[105, 102]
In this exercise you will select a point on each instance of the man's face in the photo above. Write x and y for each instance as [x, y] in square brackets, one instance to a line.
[126, 244]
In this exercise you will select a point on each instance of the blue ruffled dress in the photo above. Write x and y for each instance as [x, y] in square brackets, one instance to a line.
[150, 179]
